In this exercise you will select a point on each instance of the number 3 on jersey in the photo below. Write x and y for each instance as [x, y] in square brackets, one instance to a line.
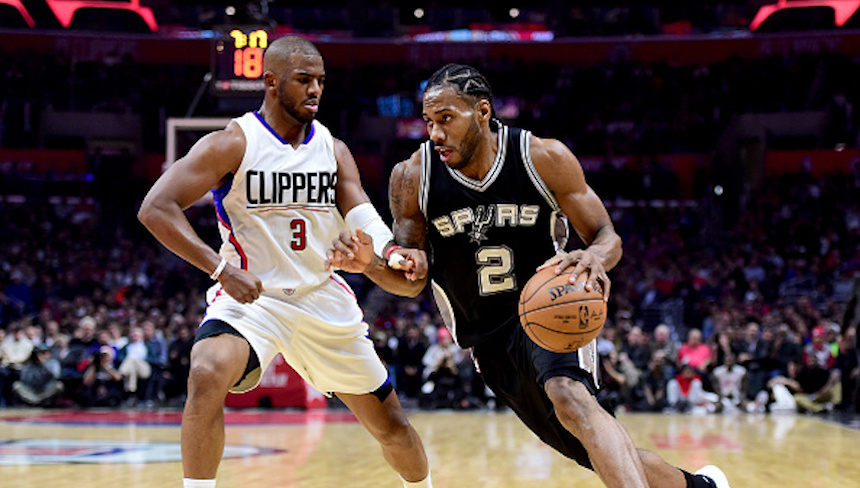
[299, 238]
[495, 271]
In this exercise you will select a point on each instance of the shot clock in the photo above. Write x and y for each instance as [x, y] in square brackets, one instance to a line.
[237, 60]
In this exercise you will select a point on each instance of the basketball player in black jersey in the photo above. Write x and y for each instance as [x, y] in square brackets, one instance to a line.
[488, 203]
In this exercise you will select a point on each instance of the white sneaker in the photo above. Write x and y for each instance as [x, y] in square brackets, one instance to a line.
[716, 474]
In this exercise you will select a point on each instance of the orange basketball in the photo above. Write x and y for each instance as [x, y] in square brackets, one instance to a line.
[559, 315]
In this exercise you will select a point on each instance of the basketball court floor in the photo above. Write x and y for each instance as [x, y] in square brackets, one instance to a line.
[477, 449]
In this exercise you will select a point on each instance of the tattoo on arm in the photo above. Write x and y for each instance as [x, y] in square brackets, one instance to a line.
[409, 233]
[409, 229]
[395, 201]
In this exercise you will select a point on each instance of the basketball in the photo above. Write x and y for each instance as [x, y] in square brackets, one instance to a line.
[558, 315]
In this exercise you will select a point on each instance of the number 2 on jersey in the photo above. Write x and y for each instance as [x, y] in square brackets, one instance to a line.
[495, 273]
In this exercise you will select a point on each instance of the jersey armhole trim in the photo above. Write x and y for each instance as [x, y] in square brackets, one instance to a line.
[525, 151]
[424, 178]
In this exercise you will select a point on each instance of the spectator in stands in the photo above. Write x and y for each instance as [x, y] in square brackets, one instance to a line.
[785, 348]
[753, 354]
[156, 349]
[663, 342]
[52, 333]
[781, 389]
[818, 352]
[117, 339]
[83, 343]
[620, 377]
[382, 346]
[684, 392]
[637, 348]
[751, 346]
[815, 388]
[729, 384]
[694, 352]
[442, 386]
[102, 383]
[410, 356]
[133, 364]
[175, 383]
[16, 348]
[40, 379]
[654, 384]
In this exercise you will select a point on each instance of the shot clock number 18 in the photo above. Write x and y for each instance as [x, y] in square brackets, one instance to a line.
[237, 61]
[248, 53]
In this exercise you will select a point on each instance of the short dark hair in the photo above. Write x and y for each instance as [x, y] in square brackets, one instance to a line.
[470, 84]
[467, 80]
[280, 50]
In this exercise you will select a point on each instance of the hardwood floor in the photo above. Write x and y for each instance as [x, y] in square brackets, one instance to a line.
[324, 449]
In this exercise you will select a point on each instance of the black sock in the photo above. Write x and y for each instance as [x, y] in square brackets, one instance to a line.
[698, 481]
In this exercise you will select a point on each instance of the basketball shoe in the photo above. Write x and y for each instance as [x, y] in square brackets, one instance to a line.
[715, 474]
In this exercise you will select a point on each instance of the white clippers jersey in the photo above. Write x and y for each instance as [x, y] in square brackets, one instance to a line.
[278, 215]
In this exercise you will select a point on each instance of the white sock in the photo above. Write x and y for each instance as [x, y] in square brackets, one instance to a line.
[192, 483]
[425, 483]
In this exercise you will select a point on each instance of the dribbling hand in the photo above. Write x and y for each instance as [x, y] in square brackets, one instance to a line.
[583, 260]
[240, 284]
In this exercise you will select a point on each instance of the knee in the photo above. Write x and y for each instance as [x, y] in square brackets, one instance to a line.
[574, 405]
[206, 377]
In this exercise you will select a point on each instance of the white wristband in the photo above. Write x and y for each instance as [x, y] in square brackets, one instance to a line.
[365, 217]
[215, 274]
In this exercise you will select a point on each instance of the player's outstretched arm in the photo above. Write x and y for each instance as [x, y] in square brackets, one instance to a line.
[207, 165]
[367, 247]
[563, 175]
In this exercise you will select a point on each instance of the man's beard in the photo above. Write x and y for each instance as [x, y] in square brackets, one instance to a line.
[468, 146]
[292, 107]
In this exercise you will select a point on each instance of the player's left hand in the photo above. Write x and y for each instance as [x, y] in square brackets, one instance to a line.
[352, 253]
[583, 260]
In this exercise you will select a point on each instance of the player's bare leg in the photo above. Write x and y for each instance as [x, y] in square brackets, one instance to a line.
[388, 424]
[660, 473]
[612, 453]
[217, 363]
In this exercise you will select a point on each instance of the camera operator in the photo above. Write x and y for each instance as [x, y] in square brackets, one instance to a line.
[102, 383]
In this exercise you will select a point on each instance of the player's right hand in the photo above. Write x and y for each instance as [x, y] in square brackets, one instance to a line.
[240, 284]
[414, 263]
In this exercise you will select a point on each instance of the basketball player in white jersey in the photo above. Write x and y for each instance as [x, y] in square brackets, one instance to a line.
[281, 184]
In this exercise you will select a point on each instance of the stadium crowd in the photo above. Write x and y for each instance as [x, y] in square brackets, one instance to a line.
[711, 309]
[621, 106]
[761, 315]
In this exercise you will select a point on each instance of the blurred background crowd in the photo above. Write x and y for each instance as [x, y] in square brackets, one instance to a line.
[739, 286]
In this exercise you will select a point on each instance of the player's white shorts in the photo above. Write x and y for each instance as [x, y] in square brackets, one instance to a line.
[321, 333]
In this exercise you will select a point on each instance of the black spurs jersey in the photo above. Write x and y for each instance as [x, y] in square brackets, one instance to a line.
[485, 238]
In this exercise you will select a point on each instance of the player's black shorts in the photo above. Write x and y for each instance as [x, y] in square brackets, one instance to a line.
[215, 327]
[516, 368]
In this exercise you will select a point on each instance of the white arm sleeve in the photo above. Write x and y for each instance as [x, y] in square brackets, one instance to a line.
[365, 217]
